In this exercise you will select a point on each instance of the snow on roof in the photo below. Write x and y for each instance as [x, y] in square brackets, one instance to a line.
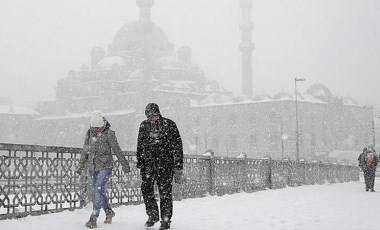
[283, 96]
[219, 100]
[262, 97]
[350, 101]
[177, 92]
[179, 84]
[84, 115]
[6, 109]
[312, 99]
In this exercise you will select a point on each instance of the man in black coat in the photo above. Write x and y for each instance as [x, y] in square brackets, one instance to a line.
[159, 158]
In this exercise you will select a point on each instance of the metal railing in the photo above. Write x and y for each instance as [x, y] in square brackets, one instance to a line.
[36, 180]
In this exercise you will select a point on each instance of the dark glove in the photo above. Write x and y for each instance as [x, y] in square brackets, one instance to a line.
[126, 169]
[178, 176]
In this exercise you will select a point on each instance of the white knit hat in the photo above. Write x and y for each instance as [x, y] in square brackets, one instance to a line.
[97, 119]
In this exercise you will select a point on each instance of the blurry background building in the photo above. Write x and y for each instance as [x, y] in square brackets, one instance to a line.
[141, 66]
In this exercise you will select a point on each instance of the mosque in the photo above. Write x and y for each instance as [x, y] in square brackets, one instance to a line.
[141, 66]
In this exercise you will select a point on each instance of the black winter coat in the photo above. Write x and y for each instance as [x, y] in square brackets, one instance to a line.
[159, 145]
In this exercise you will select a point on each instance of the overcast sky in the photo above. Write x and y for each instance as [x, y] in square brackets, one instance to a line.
[334, 42]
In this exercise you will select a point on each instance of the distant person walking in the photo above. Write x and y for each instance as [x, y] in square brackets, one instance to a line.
[99, 144]
[368, 160]
[159, 158]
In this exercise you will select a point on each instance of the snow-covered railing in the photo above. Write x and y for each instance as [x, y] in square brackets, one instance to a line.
[37, 180]
[231, 175]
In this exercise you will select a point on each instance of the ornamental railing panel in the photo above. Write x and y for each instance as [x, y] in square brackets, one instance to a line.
[37, 180]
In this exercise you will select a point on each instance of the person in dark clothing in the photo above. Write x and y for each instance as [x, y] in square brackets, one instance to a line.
[368, 162]
[100, 142]
[361, 163]
[159, 158]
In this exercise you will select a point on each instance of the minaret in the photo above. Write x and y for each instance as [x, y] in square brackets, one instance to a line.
[246, 47]
[145, 6]
[146, 29]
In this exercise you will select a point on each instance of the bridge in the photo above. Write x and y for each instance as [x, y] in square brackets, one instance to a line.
[38, 180]
[312, 207]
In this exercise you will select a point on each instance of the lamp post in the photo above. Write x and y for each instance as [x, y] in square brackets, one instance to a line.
[283, 137]
[297, 134]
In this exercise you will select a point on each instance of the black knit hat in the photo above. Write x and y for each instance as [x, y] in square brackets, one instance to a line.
[152, 109]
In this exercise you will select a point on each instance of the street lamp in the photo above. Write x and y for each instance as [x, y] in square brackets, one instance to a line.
[297, 134]
[283, 138]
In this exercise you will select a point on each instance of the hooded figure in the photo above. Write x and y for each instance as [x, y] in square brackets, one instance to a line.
[368, 162]
[159, 158]
[99, 145]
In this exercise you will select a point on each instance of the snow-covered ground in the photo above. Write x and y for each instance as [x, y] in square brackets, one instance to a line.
[343, 206]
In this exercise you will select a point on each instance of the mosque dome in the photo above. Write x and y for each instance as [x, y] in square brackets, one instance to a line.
[320, 91]
[137, 38]
[350, 101]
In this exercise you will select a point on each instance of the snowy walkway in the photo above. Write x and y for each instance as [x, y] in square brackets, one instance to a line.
[337, 207]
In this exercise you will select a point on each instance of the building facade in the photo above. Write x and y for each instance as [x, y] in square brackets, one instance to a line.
[141, 66]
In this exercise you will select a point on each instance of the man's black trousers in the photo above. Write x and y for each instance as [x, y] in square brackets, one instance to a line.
[164, 179]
